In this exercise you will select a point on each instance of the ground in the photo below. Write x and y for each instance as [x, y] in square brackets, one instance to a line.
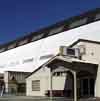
[24, 98]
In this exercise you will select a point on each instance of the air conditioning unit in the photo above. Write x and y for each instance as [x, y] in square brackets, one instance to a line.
[66, 51]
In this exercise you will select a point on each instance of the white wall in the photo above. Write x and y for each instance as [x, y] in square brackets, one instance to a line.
[6, 77]
[97, 84]
[44, 76]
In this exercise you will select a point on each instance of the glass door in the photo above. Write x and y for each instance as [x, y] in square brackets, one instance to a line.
[86, 87]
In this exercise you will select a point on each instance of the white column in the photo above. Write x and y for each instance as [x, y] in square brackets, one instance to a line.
[75, 86]
[97, 84]
[51, 95]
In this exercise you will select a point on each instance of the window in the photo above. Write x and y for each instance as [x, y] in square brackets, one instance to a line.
[60, 74]
[78, 23]
[2, 49]
[97, 17]
[37, 37]
[36, 85]
[12, 46]
[23, 42]
[71, 51]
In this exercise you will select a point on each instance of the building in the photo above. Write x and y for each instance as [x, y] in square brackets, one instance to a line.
[27, 53]
[67, 70]
[14, 82]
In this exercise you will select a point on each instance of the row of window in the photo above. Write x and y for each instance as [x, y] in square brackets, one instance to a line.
[60, 74]
[75, 22]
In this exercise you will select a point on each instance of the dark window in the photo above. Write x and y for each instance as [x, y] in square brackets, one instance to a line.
[85, 87]
[71, 51]
[36, 85]
[91, 87]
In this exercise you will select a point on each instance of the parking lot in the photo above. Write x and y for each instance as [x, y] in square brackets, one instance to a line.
[24, 98]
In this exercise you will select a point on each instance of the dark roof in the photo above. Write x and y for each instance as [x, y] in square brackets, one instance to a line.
[65, 25]
[84, 40]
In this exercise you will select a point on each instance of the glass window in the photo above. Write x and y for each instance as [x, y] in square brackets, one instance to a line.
[23, 42]
[36, 85]
[91, 83]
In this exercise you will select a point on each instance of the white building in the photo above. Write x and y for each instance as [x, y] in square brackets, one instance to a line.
[30, 52]
[86, 67]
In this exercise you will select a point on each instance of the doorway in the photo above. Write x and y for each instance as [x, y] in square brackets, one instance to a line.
[87, 87]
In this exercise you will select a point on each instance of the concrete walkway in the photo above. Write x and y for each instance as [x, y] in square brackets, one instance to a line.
[25, 98]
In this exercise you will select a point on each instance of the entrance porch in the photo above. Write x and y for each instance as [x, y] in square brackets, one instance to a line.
[80, 77]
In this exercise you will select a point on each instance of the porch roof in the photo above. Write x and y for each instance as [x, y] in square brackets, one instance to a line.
[68, 60]
[72, 64]
[71, 60]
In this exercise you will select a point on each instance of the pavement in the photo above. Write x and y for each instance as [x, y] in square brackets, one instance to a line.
[26, 98]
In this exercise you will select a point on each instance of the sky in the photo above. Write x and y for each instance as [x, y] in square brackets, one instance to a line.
[20, 17]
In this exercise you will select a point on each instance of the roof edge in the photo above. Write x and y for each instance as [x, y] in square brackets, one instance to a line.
[84, 40]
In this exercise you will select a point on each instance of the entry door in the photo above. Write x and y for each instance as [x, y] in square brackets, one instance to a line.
[87, 87]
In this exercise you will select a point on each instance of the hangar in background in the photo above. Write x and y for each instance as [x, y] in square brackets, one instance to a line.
[29, 52]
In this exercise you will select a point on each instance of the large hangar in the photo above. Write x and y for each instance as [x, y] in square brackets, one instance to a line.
[31, 51]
